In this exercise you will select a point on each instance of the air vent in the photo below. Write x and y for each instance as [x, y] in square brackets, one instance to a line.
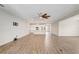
[1, 5]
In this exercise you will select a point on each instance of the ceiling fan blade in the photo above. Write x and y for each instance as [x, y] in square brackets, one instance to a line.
[1, 5]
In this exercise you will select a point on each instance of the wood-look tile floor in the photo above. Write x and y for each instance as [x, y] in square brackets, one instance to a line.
[37, 44]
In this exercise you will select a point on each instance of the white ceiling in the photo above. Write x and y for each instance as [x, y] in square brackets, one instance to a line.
[56, 11]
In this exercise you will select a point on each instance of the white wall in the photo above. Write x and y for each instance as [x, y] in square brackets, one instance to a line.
[41, 23]
[54, 28]
[69, 27]
[7, 31]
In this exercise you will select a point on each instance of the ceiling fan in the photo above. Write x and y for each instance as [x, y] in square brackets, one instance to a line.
[44, 15]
